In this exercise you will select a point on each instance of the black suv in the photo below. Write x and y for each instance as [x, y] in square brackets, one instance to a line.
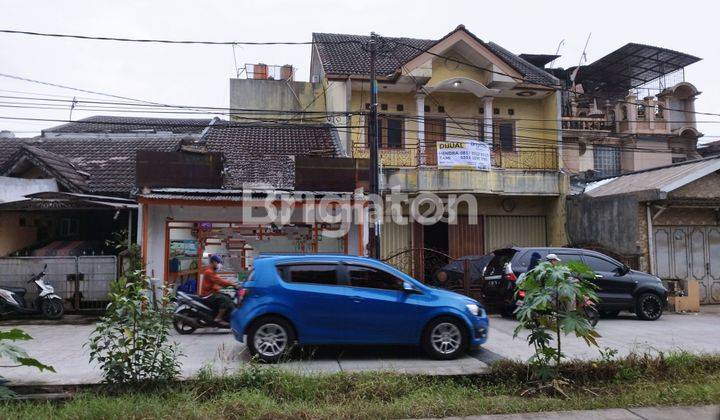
[619, 287]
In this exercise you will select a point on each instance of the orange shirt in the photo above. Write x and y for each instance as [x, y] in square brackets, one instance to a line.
[212, 283]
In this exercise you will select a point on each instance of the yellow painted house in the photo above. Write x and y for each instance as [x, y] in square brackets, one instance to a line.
[455, 88]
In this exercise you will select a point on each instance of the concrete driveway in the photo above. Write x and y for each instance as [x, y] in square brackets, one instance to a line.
[62, 347]
[696, 333]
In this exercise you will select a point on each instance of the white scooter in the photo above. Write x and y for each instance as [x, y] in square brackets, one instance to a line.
[47, 303]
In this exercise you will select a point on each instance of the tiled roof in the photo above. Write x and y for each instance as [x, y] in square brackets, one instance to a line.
[60, 167]
[343, 54]
[261, 153]
[130, 125]
[346, 54]
[109, 162]
[655, 181]
[8, 146]
[530, 72]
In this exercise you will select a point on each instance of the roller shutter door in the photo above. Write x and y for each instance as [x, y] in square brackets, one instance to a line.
[508, 231]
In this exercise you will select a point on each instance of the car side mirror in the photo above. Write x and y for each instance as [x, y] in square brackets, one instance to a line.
[623, 270]
[409, 288]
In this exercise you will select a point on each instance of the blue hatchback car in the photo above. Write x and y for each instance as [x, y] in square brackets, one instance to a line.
[341, 299]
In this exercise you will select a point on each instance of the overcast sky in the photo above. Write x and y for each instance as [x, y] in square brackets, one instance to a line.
[198, 75]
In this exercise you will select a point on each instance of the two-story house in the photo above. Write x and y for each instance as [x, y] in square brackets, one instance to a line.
[457, 88]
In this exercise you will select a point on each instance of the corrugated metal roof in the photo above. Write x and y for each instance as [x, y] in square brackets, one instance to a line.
[657, 181]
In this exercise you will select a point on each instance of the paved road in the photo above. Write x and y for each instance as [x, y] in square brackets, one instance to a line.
[697, 333]
[62, 347]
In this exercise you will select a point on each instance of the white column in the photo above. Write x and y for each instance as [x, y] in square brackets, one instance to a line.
[690, 115]
[650, 112]
[488, 118]
[631, 104]
[420, 106]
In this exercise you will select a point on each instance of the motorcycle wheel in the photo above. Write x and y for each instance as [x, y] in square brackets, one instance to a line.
[180, 326]
[52, 308]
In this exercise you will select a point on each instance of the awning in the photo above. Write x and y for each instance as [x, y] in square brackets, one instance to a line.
[631, 66]
[50, 200]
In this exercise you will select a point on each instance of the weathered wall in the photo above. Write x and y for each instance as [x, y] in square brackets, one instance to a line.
[14, 189]
[610, 222]
[276, 95]
[645, 153]
[705, 187]
[557, 214]
[13, 236]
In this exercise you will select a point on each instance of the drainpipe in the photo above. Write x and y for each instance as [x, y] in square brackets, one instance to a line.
[651, 243]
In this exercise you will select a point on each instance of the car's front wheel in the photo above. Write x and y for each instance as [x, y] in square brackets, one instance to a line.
[445, 338]
[648, 306]
[270, 339]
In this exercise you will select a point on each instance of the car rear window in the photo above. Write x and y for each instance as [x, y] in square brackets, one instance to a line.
[309, 273]
[496, 267]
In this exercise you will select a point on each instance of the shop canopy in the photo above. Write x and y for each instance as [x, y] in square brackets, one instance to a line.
[631, 66]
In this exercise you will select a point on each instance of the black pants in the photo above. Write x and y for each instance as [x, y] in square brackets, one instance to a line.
[219, 301]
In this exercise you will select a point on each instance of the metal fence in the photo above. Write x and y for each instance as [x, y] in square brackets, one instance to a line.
[83, 282]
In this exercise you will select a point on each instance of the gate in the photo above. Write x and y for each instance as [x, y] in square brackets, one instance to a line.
[82, 282]
[459, 274]
[689, 253]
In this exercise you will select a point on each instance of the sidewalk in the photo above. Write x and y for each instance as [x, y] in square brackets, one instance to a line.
[707, 412]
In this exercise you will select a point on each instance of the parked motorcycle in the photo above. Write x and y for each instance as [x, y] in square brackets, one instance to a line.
[47, 303]
[193, 312]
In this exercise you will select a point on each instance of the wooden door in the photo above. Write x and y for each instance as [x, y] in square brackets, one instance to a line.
[434, 132]
[465, 238]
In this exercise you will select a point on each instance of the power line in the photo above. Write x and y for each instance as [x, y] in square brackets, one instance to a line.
[169, 41]
[421, 50]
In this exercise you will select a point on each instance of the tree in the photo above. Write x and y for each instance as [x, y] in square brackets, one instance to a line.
[131, 340]
[553, 306]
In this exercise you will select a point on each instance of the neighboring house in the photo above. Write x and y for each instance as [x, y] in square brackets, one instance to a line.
[96, 126]
[90, 166]
[87, 194]
[426, 98]
[181, 225]
[632, 109]
[664, 220]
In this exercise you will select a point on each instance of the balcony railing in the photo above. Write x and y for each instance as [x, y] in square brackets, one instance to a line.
[522, 157]
[588, 124]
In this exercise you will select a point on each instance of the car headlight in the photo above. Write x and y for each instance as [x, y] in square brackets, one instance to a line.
[475, 310]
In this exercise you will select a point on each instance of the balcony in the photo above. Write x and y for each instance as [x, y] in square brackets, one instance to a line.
[513, 182]
[587, 124]
[523, 157]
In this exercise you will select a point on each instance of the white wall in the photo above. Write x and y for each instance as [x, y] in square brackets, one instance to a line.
[14, 189]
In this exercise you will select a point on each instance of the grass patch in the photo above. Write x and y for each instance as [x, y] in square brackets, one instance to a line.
[267, 392]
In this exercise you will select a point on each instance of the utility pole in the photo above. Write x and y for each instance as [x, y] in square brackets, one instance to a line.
[374, 146]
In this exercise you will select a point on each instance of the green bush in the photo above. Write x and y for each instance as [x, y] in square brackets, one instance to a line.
[552, 307]
[130, 343]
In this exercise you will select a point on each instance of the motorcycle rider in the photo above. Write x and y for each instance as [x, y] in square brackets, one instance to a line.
[210, 288]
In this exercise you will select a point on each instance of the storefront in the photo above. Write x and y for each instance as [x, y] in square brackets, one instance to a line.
[182, 229]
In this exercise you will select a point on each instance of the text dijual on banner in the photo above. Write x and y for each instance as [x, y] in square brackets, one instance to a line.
[463, 154]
